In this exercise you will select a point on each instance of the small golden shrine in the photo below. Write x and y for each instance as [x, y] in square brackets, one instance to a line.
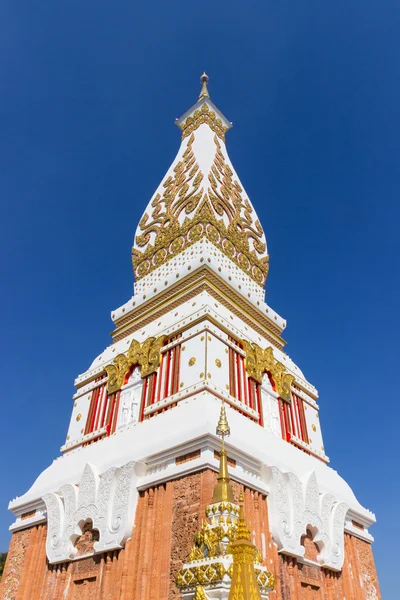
[223, 563]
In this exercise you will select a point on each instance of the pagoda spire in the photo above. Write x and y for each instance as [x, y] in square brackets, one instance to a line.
[223, 491]
[244, 580]
[204, 91]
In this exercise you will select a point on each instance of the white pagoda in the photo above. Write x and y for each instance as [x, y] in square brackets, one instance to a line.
[115, 515]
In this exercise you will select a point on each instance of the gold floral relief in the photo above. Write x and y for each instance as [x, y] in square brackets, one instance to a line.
[200, 116]
[146, 354]
[258, 361]
[222, 215]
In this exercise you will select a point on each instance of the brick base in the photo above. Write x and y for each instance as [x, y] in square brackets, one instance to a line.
[167, 518]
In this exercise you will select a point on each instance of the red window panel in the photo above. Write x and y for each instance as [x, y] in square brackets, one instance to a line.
[242, 387]
[144, 396]
[301, 424]
[254, 395]
[286, 424]
[103, 411]
[112, 413]
[165, 382]
[97, 404]
[293, 421]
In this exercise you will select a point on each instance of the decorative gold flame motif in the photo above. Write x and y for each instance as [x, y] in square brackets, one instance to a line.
[184, 214]
[200, 116]
[146, 354]
[258, 361]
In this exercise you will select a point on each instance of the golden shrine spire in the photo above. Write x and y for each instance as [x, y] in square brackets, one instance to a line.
[223, 560]
[244, 584]
[204, 91]
[223, 490]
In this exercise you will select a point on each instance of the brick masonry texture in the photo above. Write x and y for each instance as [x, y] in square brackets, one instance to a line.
[167, 517]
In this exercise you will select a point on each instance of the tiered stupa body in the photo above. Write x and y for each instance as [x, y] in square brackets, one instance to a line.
[114, 517]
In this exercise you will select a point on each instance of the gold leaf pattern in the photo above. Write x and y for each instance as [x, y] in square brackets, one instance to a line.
[200, 116]
[234, 233]
[146, 354]
[257, 361]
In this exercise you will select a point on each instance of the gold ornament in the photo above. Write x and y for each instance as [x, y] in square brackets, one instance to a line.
[257, 361]
[200, 593]
[174, 230]
[223, 536]
[204, 91]
[218, 363]
[244, 580]
[192, 361]
[200, 116]
[223, 428]
[146, 354]
[223, 490]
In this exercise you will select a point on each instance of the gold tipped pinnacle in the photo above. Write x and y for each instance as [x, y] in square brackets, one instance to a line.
[223, 491]
[243, 532]
[204, 91]
[223, 428]
[244, 580]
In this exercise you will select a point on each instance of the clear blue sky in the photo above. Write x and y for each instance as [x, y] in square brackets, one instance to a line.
[88, 96]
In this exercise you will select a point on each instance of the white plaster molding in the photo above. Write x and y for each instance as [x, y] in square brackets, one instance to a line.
[39, 515]
[270, 407]
[129, 404]
[109, 500]
[319, 453]
[176, 431]
[83, 439]
[296, 505]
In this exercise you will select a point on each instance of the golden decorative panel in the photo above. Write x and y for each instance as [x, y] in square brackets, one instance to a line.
[146, 354]
[223, 216]
[258, 361]
[200, 116]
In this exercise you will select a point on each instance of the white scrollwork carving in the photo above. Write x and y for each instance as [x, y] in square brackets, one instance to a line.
[109, 500]
[295, 506]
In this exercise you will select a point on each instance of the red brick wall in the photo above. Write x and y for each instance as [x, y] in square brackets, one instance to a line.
[167, 517]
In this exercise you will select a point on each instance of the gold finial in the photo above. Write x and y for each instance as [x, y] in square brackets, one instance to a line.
[244, 581]
[204, 91]
[243, 532]
[223, 428]
[223, 491]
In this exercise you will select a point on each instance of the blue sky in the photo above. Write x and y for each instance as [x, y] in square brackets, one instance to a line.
[88, 97]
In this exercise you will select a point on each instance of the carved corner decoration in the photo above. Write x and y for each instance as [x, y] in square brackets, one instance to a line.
[109, 501]
[200, 116]
[294, 506]
[257, 361]
[185, 213]
[146, 354]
